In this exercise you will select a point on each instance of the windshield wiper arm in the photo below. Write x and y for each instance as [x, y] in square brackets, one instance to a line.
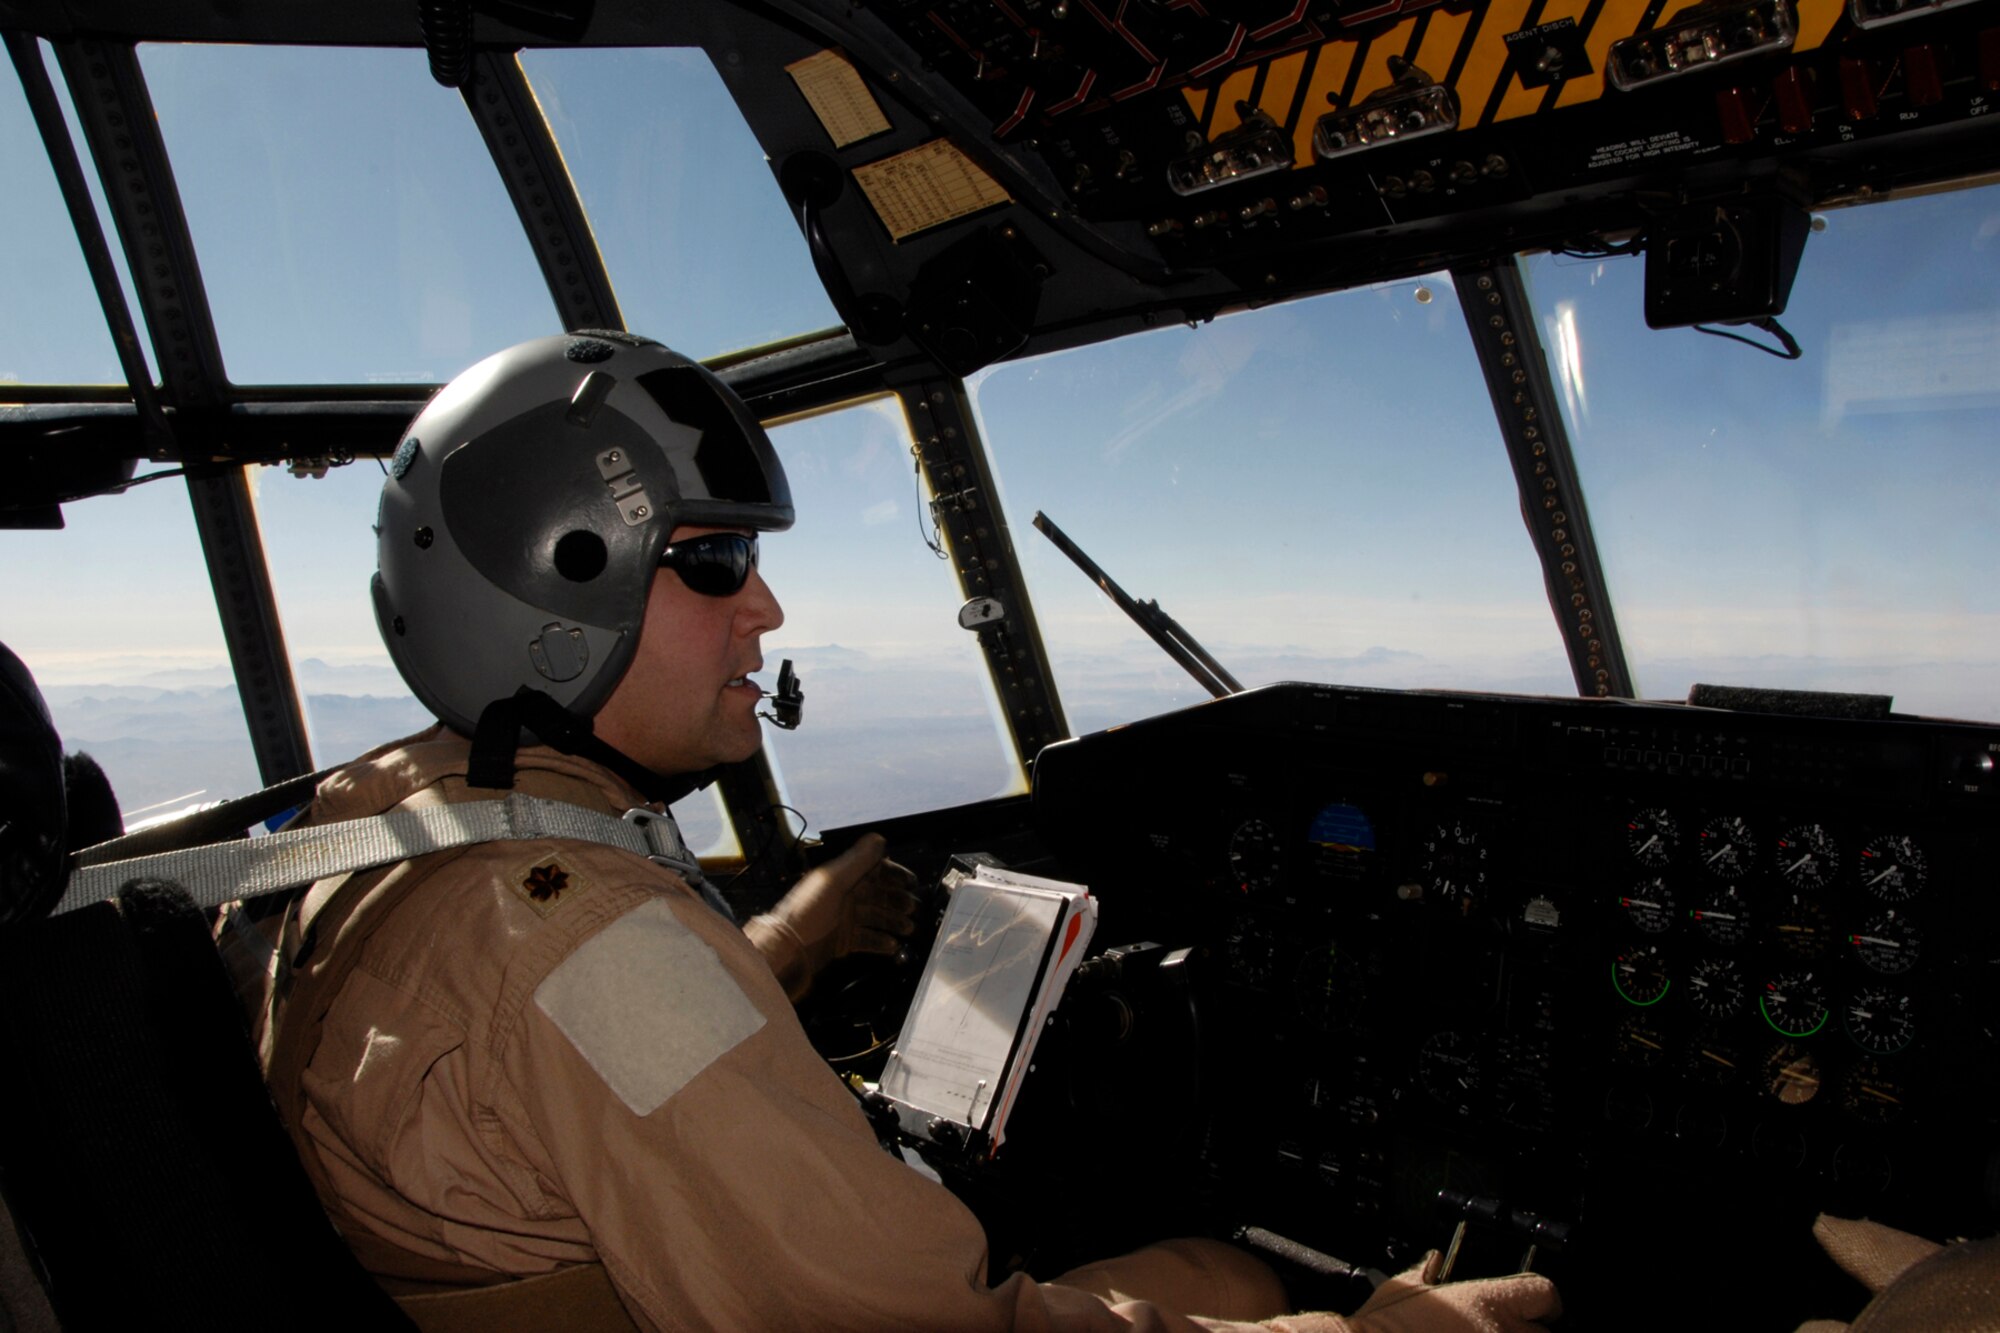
[1161, 627]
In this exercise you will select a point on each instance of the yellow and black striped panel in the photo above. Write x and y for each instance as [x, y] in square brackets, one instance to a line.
[1466, 51]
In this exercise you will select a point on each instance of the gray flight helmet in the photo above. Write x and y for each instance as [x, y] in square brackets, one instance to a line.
[527, 506]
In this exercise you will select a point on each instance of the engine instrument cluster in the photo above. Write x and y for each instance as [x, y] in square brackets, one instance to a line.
[1673, 979]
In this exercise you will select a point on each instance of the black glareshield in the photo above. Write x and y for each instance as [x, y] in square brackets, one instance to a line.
[788, 701]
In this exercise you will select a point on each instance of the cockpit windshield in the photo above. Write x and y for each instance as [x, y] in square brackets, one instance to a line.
[1828, 523]
[1314, 490]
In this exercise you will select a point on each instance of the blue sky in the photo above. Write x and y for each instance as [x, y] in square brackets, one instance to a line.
[1315, 490]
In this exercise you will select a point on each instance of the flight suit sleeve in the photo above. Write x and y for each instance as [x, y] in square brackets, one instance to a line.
[726, 1177]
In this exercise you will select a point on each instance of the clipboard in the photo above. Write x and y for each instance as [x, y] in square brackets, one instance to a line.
[1006, 947]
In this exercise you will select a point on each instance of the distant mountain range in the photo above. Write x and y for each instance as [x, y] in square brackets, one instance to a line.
[884, 734]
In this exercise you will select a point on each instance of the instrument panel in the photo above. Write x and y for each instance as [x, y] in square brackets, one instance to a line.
[1636, 989]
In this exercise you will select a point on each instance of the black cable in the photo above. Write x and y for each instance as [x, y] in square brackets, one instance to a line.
[935, 537]
[1601, 249]
[1771, 326]
[447, 30]
[770, 831]
[125, 486]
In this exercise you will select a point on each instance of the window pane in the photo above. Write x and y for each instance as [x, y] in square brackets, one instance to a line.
[1315, 491]
[350, 225]
[1827, 523]
[320, 547]
[115, 618]
[900, 715]
[699, 242]
[41, 266]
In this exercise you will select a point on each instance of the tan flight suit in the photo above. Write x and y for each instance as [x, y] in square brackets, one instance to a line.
[516, 1057]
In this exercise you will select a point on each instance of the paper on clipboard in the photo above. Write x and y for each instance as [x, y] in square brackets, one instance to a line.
[1007, 945]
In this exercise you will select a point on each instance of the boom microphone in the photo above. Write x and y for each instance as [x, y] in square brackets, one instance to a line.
[789, 701]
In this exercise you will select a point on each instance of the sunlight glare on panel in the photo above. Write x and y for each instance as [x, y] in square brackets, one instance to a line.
[1826, 523]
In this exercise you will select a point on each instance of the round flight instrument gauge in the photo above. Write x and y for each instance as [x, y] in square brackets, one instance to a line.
[1792, 1075]
[1326, 988]
[1250, 952]
[1727, 847]
[1808, 856]
[1873, 1094]
[1723, 915]
[1640, 1043]
[1881, 1020]
[1653, 836]
[1887, 943]
[1650, 905]
[1717, 988]
[1794, 1003]
[1639, 976]
[1254, 858]
[1523, 1095]
[1712, 1060]
[1801, 927]
[1455, 863]
[1449, 1068]
[1893, 867]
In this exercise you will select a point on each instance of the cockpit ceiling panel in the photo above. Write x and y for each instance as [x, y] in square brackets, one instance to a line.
[1030, 63]
[1148, 160]
[1109, 93]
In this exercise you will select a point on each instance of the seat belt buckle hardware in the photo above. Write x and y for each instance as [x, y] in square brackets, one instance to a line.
[663, 839]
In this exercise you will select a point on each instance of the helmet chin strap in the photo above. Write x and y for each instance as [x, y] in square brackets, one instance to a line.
[498, 738]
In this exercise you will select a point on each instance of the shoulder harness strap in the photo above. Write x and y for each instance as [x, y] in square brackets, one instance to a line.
[222, 872]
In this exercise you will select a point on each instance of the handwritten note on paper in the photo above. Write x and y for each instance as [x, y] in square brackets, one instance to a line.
[836, 94]
[928, 185]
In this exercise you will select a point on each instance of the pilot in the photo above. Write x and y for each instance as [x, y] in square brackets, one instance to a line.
[561, 1062]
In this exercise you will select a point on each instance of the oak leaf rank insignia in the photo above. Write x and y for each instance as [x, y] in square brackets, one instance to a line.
[546, 885]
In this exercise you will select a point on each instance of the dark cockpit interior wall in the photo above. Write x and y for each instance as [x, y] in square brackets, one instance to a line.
[1632, 991]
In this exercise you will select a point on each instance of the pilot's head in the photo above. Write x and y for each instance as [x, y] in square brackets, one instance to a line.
[578, 515]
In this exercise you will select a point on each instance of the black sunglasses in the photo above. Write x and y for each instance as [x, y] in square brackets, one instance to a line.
[715, 564]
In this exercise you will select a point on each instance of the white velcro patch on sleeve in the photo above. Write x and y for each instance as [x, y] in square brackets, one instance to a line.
[648, 1005]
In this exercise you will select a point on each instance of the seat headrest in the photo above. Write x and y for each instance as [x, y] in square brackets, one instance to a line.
[33, 814]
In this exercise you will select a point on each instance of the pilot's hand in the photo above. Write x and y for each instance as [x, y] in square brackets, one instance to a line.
[1413, 1302]
[1872, 1254]
[856, 902]
[1918, 1284]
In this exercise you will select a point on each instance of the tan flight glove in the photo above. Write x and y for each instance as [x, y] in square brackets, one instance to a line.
[856, 902]
[1920, 1286]
[1410, 1303]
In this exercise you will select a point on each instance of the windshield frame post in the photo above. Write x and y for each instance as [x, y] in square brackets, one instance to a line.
[523, 147]
[39, 90]
[108, 89]
[1508, 342]
[965, 508]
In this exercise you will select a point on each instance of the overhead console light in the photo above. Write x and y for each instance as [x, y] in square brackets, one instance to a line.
[1410, 108]
[1705, 36]
[1257, 147]
[1876, 13]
